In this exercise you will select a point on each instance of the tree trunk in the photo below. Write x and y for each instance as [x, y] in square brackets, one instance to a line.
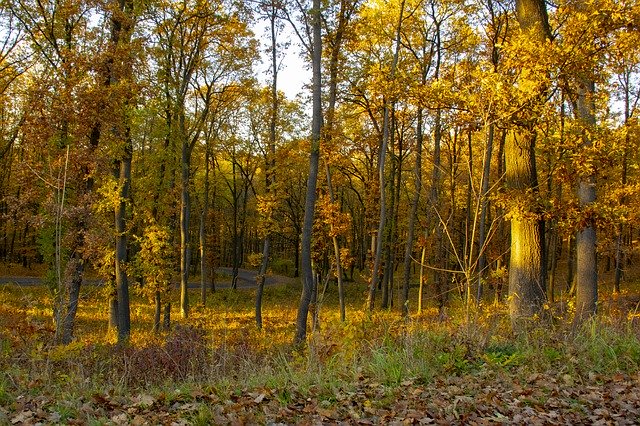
[270, 166]
[68, 322]
[408, 248]
[484, 201]
[121, 33]
[204, 255]
[185, 212]
[346, 9]
[122, 282]
[310, 198]
[587, 272]
[157, 312]
[526, 268]
[382, 155]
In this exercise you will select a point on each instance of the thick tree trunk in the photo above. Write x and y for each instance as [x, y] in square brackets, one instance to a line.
[526, 268]
[587, 272]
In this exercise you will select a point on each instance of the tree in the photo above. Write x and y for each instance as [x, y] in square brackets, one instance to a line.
[314, 158]
[527, 264]
[120, 78]
[203, 50]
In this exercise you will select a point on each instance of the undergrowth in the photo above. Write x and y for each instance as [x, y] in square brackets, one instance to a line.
[220, 351]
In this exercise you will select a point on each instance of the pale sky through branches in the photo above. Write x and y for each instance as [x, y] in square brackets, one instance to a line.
[294, 72]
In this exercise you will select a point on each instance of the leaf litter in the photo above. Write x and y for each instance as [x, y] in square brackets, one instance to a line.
[470, 399]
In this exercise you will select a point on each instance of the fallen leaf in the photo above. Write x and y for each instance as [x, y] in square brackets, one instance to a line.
[22, 417]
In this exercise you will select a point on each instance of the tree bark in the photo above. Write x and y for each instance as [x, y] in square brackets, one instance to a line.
[408, 248]
[310, 198]
[484, 202]
[587, 272]
[527, 269]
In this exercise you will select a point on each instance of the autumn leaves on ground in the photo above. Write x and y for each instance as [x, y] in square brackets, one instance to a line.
[217, 368]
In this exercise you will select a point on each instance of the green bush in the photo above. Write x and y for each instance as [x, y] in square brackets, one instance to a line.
[283, 267]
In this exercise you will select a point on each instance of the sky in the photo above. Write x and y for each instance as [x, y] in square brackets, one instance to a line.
[294, 73]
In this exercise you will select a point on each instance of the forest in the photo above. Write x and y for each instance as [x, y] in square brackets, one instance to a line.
[441, 227]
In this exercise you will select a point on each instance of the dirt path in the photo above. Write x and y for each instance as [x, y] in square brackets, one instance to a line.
[246, 279]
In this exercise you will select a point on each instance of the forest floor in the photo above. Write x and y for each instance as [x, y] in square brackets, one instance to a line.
[466, 367]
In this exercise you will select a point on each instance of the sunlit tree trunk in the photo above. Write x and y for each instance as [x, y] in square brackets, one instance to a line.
[527, 269]
[586, 267]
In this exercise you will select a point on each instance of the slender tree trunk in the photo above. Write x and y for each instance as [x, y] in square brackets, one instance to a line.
[619, 256]
[157, 312]
[185, 213]
[346, 8]
[270, 163]
[484, 201]
[122, 282]
[408, 248]
[204, 256]
[382, 155]
[310, 198]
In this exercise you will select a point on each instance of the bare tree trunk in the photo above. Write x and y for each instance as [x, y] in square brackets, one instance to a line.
[527, 287]
[121, 33]
[346, 9]
[75, 281]
[619, 256]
